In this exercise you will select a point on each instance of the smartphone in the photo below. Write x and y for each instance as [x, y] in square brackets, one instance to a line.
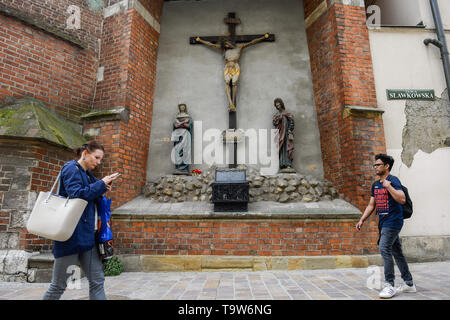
[116, 175]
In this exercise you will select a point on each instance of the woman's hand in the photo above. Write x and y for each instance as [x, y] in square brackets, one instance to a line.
[108, 180]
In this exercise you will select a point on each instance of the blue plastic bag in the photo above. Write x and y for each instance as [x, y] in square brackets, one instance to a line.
[104, 212]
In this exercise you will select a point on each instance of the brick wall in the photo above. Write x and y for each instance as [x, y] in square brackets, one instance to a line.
[39, 63]
[341, 66]
[129, 55]
[26, 168]
[55, 13]
[254, 238]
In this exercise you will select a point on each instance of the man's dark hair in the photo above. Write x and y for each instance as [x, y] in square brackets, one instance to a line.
[386, 159]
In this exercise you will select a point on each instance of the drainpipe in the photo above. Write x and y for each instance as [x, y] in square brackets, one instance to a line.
[440, 42]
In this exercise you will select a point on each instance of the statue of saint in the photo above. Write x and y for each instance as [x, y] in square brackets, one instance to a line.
[181, 135]
[284, 122]
[232, 54]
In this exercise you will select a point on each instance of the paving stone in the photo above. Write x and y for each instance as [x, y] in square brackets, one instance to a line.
[335, 284]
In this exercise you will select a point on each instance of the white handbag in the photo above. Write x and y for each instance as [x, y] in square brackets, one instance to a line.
[55, 217]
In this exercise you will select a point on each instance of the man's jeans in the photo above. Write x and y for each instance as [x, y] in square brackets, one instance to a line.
[63, 267]
[390, 245]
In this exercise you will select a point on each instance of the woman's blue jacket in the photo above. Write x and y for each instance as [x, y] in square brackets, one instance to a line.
[77, 183]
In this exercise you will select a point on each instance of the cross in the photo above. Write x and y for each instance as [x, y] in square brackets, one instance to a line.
[214, 41]
[232, 21]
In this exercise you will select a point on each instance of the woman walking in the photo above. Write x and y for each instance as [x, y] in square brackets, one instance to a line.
[78, 182]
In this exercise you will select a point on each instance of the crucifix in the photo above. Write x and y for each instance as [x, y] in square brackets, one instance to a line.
[231, 45]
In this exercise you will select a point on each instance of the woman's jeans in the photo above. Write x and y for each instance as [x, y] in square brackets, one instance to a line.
[63, 268]
[390, 246]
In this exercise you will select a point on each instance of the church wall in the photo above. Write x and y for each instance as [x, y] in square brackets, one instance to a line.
[192, 74]
[351, 128]
[129, 52]
[416, 130]
[48, 65]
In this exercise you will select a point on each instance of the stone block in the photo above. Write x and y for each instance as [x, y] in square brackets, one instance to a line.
[14, 265]
[130, 262]
[296, 263]
[21, 179]
[375, 260]
[9, 240]
[324, 262]
[39, 275]
[426, 248]
[360, 262]
[343, 262]
[277, 263]
[15, 200]
[193, 263]
[221, 262]
[259, 264]
[162, 263]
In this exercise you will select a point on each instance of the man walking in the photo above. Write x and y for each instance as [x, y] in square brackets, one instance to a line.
[387, 198]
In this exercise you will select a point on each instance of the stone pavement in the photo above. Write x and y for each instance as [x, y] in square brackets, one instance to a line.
[432, 280]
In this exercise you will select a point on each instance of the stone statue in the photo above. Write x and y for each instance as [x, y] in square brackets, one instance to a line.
[284, 122]
[182, 137]
[232, 54]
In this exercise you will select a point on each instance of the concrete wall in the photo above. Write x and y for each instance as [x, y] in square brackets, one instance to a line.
[427, 16]
[402, 61]
[192, 74]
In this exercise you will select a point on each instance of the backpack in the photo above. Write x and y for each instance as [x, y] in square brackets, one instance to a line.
[407, 206]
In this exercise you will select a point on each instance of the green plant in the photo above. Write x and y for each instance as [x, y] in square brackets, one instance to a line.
[113, 267]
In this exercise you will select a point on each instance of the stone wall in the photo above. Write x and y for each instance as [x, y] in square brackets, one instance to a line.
[281, 188]
[25, 170]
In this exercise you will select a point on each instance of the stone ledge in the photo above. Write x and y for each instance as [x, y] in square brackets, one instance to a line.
[114, 114]
[362, 112]
[142, 208]
[191, 263]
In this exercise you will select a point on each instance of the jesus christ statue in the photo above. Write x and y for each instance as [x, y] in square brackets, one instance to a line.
[231, 72]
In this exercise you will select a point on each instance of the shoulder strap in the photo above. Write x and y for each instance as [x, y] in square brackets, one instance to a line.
[54, 185]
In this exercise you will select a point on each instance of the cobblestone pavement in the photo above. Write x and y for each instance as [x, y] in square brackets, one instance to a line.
[432, 281]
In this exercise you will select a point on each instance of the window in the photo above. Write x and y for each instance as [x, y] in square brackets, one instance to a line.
[397, 12]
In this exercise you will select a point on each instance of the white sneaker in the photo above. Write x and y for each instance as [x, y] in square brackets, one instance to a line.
[405, 288]
[388, 291]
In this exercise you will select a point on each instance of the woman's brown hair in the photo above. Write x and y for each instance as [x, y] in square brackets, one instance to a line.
[91, 146]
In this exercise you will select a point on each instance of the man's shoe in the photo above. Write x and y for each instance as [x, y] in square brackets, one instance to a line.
[405, 288]
[388, 291]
